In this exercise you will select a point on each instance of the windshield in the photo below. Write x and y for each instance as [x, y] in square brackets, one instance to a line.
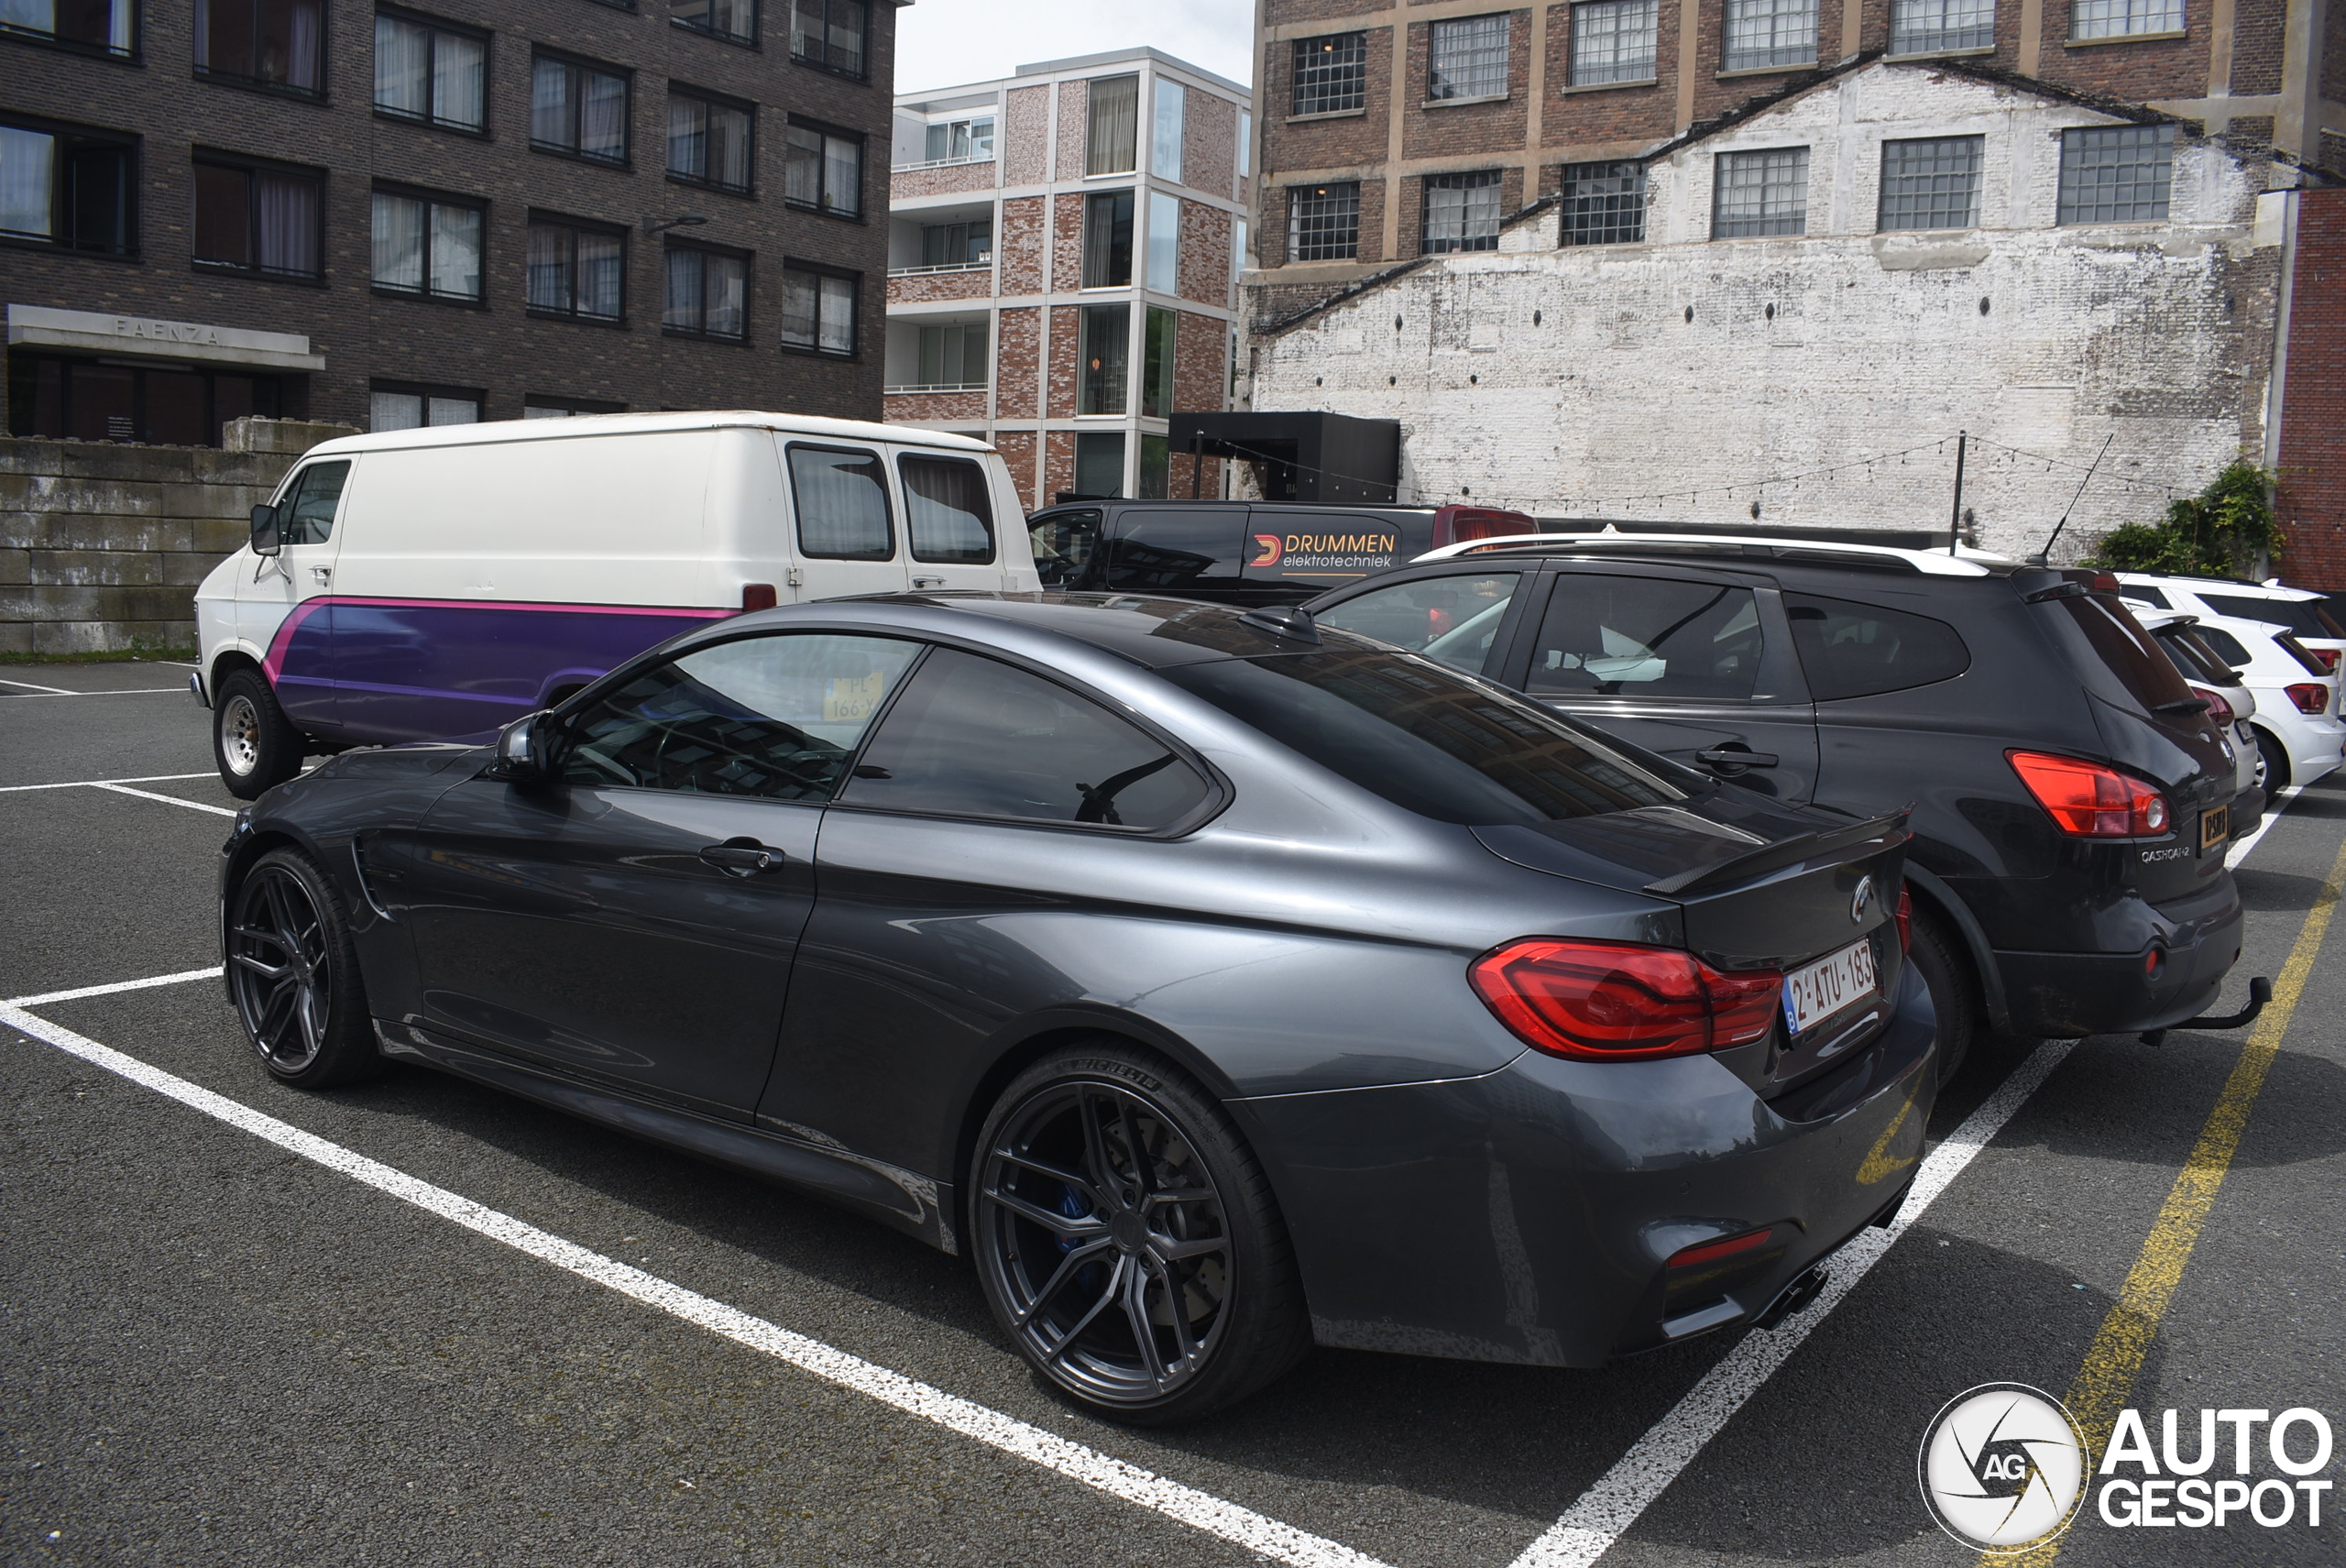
[1425, 738]
[2306, 617]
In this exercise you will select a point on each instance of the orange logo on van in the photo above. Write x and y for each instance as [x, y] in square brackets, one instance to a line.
[1272, 549]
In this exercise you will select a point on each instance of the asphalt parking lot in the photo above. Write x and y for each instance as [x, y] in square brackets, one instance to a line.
[419, 1322]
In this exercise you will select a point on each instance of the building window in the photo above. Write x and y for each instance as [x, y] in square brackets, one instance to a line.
[61, 399]
[825, 171]
[261, 219]
[394, 405]
[1108, 239]
[1613, 40]
[1938, 27]
[1110, 124]
[1330, 73]
[709, 141]
[426, 72]
[1164, 144]
[2124, 18]
[818, 310]
[966, 243]
[1245, 143]
[708, 293]
[1099, 462]
[1932, 182]
[961, 141]
[735, 21]
[576, 269]
[1760, 194]
[1164, 242]
[1160, 329]
[953, 356]
[1323, 222]
[106, 25]
[73, 189]
[1602, 204]
[1764, 33]
[1462, 210]
[2116, 174]
[1468, 59]
[830, 34]
[1106, 369]
[541, 407]
[276, 43]
[427, 245]
[579, 109]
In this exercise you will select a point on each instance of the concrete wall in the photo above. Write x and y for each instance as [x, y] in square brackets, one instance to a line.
[102, 544]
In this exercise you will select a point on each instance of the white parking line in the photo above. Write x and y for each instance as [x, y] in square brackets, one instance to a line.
[100, 783]
[53, 691]
[1606, 1511]
[1200, 1510]
[2279, 803]
[166, 799]
[117, 691]
[49, 996]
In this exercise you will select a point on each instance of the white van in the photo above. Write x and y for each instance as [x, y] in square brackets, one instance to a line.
[435, 583]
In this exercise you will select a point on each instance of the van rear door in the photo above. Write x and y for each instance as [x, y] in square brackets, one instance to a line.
[953, 531]
[844, 518]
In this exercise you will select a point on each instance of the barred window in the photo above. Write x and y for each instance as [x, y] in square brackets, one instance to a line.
[1330, 73]
[1935, 27]
[2124, 18]
[2116, 174]
[1461, 212]
[1760, 194]
[1603, 203]
[1469, 58]
[1613, 40]
[1761, 33]
[1323, 222]
[1931, 182]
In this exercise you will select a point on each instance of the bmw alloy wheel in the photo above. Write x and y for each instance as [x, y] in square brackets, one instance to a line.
[280, 961]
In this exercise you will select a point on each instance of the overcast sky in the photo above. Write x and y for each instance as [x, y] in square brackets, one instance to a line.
[943, 43]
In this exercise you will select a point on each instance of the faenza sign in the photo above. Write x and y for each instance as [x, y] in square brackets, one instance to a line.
[41, 326]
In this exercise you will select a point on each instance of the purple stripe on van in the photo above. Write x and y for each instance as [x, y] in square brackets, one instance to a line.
[400, 669]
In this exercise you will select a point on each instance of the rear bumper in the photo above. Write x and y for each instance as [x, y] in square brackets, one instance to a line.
[2070, 995]
[1526, 1215]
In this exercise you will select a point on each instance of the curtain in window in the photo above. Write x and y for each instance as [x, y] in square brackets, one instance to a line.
[837, 331]
[1112, 125]
[725, 286]
[394, 410]
[548, 264]
[456, 251]
[684, 308]
[803, 167]
[800, 306]
[402, 58]
[1106, 360]
[598, 274]
[459, 68]
[842, 503]
[847, 36]
[688, 138]
[947, 508]
[1165, 145]
[33, 15]
[303, 34]
[397, 242]
[842, 176]
[602, 117]
[27, 161]
[451, 411]
[289, 225]
[728, 148]
[550, 103]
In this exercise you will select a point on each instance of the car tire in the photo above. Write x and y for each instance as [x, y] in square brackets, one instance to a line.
[255, 746]
[1151, 1291]
[293, 973]
[2276, 763]
[1939, 956]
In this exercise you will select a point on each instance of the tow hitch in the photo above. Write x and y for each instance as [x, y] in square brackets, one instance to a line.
[2260, 992]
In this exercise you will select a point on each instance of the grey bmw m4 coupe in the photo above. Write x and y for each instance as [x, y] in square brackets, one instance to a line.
[1218, 984]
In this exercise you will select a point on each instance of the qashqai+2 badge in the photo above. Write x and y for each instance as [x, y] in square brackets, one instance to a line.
[2003, 1467]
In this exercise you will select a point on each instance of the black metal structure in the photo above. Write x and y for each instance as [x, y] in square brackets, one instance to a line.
[1303, 457]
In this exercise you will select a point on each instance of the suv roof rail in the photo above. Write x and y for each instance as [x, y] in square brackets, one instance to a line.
[1928, 563]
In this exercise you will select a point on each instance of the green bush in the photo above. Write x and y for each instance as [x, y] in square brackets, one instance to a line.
[2220, 533]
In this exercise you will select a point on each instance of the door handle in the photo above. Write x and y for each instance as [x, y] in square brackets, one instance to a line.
[322, 576]
[1734, 756]
[928, 582]
[743, 857]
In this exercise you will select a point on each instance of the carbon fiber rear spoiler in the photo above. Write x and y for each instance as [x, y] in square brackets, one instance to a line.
[1879, 833]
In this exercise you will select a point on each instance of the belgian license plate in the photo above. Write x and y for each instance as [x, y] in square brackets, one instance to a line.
[1815, 991]
[2215, 827]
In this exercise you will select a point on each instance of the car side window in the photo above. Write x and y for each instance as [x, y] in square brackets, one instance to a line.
[775, 717]
[2146, 593]
[1064, 543]
[947, 510]
[1177, 550]
[2225, 646]
[842, 500]
[1856, 650]
[1610, 636]
[974, 736]
[1450, 621]
[309, 508]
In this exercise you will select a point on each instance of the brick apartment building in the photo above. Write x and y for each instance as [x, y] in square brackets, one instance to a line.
[385, 216]
[1063, 264]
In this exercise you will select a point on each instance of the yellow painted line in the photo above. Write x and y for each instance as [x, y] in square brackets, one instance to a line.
[2106, 1379]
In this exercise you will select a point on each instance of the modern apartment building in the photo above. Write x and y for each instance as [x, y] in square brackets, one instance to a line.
[1063, 264]
[392, 214]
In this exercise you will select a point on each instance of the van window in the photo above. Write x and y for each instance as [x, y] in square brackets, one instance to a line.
[842, 500]
[1608, 636]
[1179, 550]
[1450, 621]
[1858, 650]
[309, 508]
[947, 510]
[1064, 543]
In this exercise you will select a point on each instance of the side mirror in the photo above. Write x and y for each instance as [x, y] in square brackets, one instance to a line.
[265, 540]
[525, 750]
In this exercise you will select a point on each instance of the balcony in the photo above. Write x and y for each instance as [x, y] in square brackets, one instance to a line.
[928, 388]
[983, 264]
[940, 163]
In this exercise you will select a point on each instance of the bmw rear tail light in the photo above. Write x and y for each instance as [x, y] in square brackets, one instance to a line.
[1905, 920]
[2089, 800]
[2311, 696]
[1457, 525]
[1621, 1001]
[2218, 710]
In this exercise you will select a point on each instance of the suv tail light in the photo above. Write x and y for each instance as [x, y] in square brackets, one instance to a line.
[2090, 800]
[2311, 696]
[1621, 1001]
[1456, 525]
[2218, 710]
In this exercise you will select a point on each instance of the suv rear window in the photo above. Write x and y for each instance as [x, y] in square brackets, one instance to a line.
[2123, 648]
[2306, 617]
[1858, 650]
[1425, 738]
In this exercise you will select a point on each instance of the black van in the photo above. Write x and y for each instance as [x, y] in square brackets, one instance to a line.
[1245, 553]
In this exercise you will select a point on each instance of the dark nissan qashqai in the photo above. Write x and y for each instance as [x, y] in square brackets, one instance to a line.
[1220, 983]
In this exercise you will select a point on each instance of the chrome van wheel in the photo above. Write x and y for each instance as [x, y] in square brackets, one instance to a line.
[255, 745]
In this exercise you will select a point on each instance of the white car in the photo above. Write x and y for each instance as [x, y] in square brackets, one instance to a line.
[2303, 613]
[2231, 705]
[2296, 721]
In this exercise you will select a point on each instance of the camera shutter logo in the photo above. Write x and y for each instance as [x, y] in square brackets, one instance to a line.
[2002, 1467]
